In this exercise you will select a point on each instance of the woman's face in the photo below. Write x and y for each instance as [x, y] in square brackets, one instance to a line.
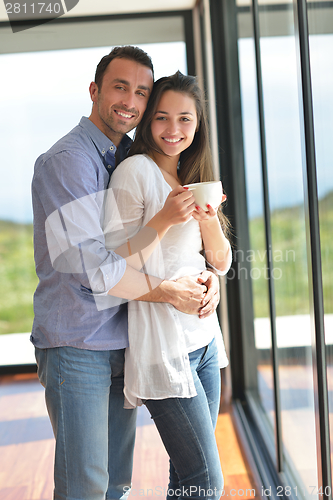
[175, 122]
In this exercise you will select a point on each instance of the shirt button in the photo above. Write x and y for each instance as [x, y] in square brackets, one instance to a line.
[109, 166]
[111, 148]
[103, 151]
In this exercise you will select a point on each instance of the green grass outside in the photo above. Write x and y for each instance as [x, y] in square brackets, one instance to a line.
[290, 260]
[17, 277]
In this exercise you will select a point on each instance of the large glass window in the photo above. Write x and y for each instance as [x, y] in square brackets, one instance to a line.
[285, 183]
[291, 392]
[42, 96]
[263, 393]
[321, 49]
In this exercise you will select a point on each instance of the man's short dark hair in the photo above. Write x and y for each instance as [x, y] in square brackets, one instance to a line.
[125, 52]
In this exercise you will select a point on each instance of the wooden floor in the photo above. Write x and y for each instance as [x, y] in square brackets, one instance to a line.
[27, 448]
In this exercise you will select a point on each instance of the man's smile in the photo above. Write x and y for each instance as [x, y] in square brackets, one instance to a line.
[124, 114]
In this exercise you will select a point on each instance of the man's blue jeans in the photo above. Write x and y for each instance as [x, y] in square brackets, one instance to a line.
[94, 433]
[187, 425]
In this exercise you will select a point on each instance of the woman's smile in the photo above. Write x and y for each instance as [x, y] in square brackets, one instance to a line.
[172, 140]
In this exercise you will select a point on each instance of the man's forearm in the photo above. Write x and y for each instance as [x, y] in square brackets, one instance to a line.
[162, 293]
[134, 285]
[186, 294]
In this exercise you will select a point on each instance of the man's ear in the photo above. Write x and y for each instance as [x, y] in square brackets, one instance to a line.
[93, 91]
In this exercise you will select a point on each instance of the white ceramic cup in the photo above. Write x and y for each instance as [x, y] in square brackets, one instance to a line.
[207, 193]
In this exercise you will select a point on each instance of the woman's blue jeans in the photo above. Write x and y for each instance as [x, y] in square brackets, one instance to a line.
[187, 425]
[94, 433]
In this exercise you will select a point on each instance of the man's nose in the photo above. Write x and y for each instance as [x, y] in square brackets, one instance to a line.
[128, 100]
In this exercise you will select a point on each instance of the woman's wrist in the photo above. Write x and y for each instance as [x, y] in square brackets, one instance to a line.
[211, 222]
[160, 225]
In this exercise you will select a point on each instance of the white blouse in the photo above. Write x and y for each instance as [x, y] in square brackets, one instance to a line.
[160, 337]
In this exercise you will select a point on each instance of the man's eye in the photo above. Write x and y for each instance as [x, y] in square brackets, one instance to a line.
[142, 94]
[119, 87]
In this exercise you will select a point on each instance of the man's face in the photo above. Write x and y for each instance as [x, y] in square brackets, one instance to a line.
[122, 98]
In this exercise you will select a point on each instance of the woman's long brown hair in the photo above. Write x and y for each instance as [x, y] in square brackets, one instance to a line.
[195, 164]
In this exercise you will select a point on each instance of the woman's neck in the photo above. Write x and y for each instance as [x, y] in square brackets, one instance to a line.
[167, 163]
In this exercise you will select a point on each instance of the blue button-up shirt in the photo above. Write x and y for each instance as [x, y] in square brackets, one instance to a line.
[71, 260]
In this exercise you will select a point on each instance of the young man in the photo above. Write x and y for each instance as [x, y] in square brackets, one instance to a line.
[79, 346]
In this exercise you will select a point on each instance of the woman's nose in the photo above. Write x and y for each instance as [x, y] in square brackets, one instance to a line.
[172, 127]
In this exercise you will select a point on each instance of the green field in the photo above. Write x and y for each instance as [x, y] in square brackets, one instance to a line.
[289, 259]
[18, 278]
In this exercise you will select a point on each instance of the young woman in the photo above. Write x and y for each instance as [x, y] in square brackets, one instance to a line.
[173, 360]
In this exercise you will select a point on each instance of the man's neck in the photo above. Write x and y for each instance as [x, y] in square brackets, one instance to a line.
[115, 137]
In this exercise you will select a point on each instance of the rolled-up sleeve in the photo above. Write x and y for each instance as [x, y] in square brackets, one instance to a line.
[68, 186]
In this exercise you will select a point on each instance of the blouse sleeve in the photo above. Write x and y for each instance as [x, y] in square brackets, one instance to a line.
[124, 204]
[217, 271]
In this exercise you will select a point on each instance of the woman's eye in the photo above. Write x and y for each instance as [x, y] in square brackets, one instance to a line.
[160, 118]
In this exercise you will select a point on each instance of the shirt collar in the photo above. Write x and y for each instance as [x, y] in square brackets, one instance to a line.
[103, 143]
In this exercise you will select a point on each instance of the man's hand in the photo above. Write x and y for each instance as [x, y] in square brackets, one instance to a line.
[189, 295]
[185, 294]
[212, 297]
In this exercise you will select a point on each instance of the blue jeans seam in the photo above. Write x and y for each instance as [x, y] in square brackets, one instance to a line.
[63, 424]
[202, 359]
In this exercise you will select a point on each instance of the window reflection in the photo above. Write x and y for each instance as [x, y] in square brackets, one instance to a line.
[321, 49]
[288, 254]
[285, 183]
[263, 393]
